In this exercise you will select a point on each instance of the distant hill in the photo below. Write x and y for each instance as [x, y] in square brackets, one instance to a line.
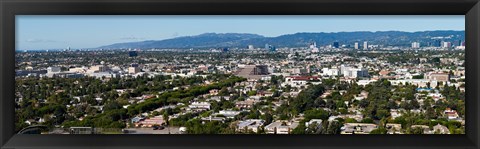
[199, 41]
[216, 40]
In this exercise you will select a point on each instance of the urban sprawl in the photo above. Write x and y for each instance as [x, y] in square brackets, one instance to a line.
[331, 89]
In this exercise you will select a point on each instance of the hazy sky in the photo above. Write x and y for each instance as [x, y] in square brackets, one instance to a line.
[34, 32]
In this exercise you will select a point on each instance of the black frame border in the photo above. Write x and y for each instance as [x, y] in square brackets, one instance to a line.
[10, 8]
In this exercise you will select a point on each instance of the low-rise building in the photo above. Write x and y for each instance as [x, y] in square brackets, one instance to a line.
[357, 117]
[199, 106]
[137, 119]
[440, 77]
[395, 113]
[357, 128]
[228, 113]
[451, 114]
[281, 127]
[425, 128]
[394, 128]
[440, 129]
[365, 82]
[245, 104]
[300, 81]
[150, 122]
[250, 125]
[212, 118]
[316, 122]
[330, 72]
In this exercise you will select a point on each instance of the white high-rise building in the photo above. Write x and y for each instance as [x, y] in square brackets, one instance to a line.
[415, 45]
[446, 44]
[356, 73]
[250, 47]
[314, 48]
[357, 46]
[313, 45]
[365, 45]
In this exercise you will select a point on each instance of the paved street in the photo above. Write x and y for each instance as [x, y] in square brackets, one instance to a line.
[173, 130]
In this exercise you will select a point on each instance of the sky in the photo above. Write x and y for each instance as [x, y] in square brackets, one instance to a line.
[40, 32]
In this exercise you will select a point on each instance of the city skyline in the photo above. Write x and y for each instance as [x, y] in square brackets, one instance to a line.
[60, 32]
[126, 80]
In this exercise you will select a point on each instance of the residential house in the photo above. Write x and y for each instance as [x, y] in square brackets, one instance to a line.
[281, 127]
[250, 125]
[357, 128]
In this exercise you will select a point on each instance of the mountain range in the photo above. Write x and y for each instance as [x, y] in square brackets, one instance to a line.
[242, 40]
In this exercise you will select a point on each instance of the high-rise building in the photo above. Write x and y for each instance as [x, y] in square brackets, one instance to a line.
[446, 44]
[357, 46]
[269, 47]
[313, 45]
[336, 44]
[458, 43]
[252, 71]
[273, 48]
[351, 72]
[365, 45]
[225, 50]
[133, 70]
[132, 53]
[437, 43]
[415, 45]
[250, 47]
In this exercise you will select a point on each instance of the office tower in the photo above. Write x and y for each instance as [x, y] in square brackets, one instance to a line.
[133, 70]
[365, 45]
[356, 46]
[269, 47]
[446, 44]
[415, 45]
[250, 47]
[132, 53]
[273, 48]
[336, 44]
[437, 43]
[313, 45]
[458, 43]
[252, 71]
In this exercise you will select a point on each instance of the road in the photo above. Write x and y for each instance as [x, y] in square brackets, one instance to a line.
[173, 130]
